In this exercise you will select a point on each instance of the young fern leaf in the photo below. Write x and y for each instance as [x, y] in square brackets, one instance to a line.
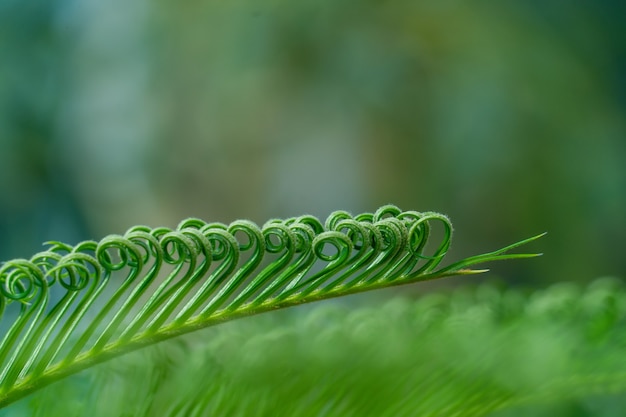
[70, 307]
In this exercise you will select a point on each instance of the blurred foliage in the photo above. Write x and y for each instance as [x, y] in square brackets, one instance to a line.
[557, 351]
[507, 116]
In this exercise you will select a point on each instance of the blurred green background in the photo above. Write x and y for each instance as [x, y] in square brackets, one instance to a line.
[507, 116]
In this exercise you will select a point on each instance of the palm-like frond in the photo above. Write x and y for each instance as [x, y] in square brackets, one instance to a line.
[475, 351]
[68, 308]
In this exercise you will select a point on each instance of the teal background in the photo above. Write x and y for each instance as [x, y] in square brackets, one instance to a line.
[507, 116]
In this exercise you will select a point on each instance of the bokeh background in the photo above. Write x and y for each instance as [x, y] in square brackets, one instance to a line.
[508, 116]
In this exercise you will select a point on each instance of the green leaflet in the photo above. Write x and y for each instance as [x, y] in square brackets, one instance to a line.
[69, 308]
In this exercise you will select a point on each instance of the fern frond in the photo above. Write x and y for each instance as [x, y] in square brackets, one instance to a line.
[70, 307]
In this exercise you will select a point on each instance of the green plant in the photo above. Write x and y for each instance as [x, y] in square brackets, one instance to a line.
[69, 308]
[471, 352]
